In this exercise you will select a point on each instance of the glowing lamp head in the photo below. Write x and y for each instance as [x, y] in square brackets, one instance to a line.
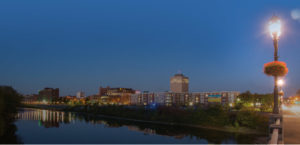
[275, 27]
[280, 82]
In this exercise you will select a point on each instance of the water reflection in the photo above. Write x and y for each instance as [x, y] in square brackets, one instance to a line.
[53, 119]
[46, 118]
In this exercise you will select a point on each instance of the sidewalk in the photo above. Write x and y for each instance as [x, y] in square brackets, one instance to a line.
[291, 126]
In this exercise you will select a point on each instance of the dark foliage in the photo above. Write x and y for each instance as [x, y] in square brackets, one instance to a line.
[247, 98]
[212, 116]
[9, 101]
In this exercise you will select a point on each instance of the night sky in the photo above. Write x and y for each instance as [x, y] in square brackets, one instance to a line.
[79, 45]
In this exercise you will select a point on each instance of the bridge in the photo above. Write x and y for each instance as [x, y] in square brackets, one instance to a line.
[291, 123]
[284, 128]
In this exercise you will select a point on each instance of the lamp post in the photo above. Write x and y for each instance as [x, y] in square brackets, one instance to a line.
[275, 31]
[280, 84]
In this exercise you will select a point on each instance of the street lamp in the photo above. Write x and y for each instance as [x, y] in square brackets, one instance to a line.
[281, 93]
[275, 31]
[280, 83]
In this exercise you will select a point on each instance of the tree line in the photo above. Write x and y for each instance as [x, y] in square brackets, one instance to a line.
[10, 100]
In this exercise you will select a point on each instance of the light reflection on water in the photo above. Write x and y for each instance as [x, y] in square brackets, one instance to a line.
[34, 124]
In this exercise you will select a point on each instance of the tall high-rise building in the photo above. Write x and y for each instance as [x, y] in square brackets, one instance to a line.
[179, 83]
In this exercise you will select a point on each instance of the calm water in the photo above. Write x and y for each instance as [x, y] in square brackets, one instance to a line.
[45, 126]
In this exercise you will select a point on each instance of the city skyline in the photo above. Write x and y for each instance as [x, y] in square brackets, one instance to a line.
[149, 72]
[81, 46]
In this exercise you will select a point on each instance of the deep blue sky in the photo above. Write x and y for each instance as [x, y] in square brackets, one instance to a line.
[80, 45]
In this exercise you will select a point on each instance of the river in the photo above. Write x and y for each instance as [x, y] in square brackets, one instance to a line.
[38, 126]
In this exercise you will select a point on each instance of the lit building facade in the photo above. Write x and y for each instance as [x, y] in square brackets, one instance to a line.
[119, 96]
[80, 94]
[48, 94]
[184, 99]
[30, 99]
[179, 83]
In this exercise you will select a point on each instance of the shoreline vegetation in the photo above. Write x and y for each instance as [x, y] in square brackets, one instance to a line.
[214, 117]
[10, 100]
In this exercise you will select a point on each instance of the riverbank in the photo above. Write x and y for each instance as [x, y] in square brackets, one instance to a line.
[164, 116]
[223, 129]
[34, 126]
[10, 100]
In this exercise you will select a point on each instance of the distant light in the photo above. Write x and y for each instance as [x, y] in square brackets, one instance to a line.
[295, 109]
[295, 14]
[44, 101]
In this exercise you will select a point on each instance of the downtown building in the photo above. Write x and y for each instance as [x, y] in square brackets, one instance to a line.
[80, 94]
[180, 95]
[184, 99]
[48, 95]
[120, 96]
[179, 83]
[30, 99]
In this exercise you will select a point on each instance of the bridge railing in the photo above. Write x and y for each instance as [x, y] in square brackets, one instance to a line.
[275, 129]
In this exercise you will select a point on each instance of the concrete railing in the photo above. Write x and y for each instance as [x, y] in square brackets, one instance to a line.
[276, 129]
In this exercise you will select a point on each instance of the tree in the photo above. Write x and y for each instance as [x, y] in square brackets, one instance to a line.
[9, 101]
[247, 99]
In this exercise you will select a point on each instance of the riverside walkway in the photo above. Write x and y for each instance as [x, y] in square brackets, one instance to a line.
[291, 123]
